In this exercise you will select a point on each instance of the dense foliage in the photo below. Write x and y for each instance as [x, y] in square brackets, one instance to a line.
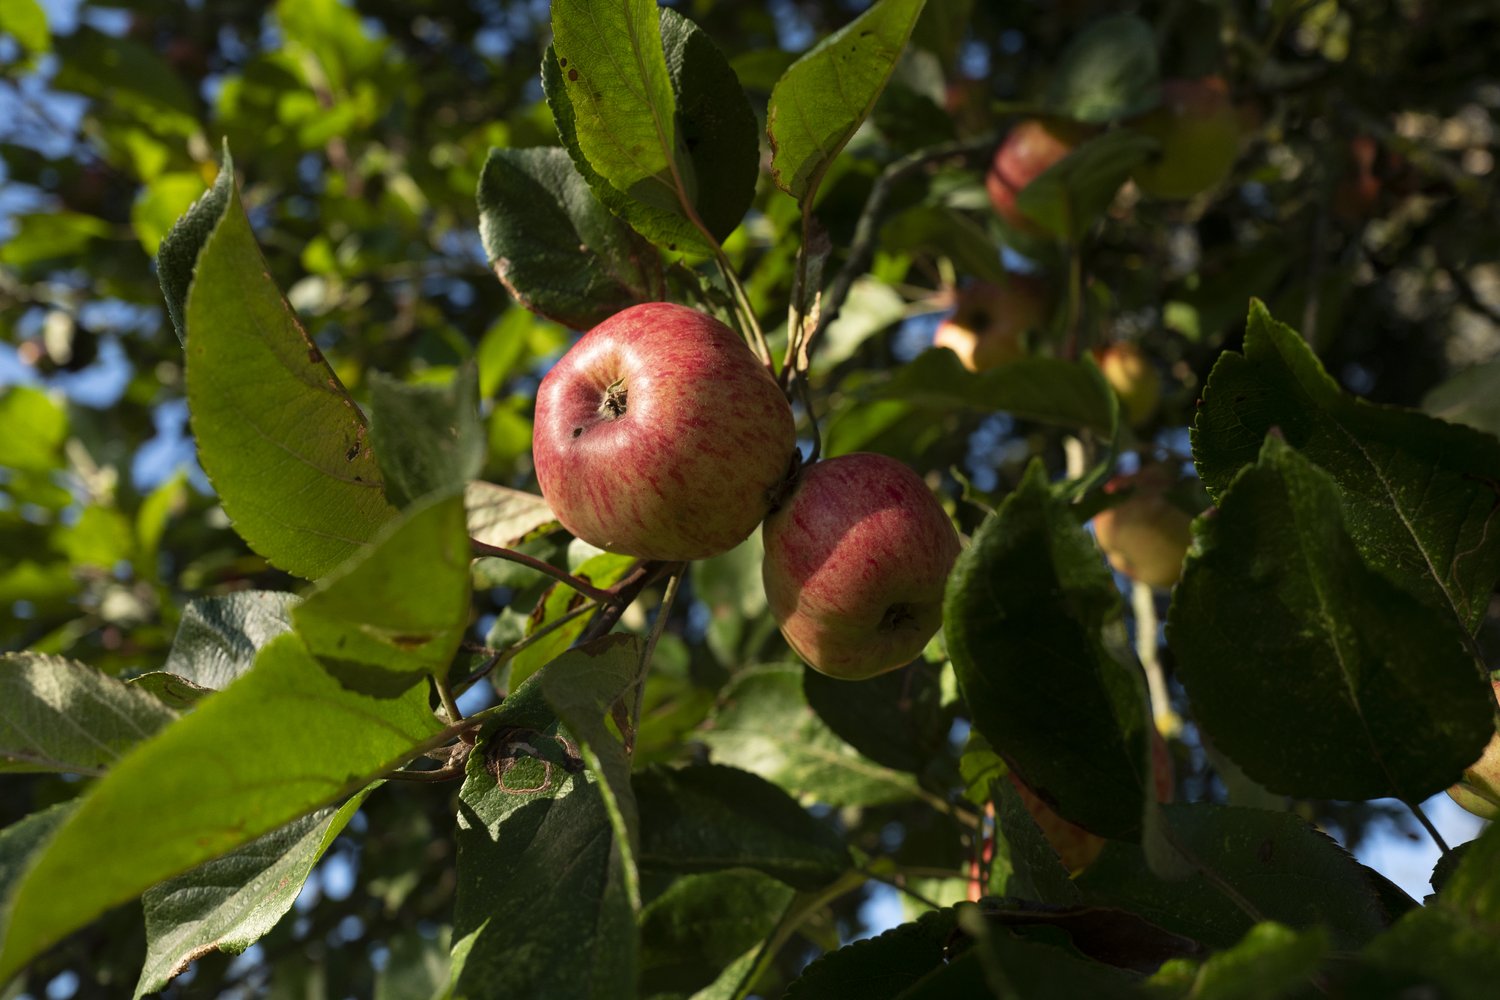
[346, 694]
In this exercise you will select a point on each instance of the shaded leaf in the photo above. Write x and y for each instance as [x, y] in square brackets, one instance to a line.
[1419, 495]
[1109, 71]
[1025, 865]
[218, 637]
[500, 516]
[764, 725]
[823, 97]
[1270, 961]
[1279, 626]
[895, 719]
[427, 438]
[555, 247]
[283, 740]
[57, 714]
[707, 817]
[1025, 614]
[1070, 196]
[885, 966]
[700, 924]
[231, 902]
[1471, 397]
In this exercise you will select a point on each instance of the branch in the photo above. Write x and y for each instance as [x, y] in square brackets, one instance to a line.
[510, 652]
[562, 576]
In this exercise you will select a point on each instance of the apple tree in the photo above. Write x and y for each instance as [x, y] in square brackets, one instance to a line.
[886, 498]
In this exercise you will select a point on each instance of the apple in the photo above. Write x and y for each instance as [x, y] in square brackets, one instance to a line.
[1075, 846]
[1134, 378]
[1146, 535]
[1199, 131]
[1029, 149]
[989, 322]
[659, 435]
[856, 561]
[1479, 791]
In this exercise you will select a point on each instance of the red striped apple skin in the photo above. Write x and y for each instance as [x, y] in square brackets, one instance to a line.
[856, 560]
[659, 435]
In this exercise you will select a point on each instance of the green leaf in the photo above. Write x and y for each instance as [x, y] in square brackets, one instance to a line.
[540, 876]
[764, 725]
[1448, 946]
[50, 236]
[26, 22]
[707, 817]
[127, 76]
[33, 426]
[1011, 965]
[25, 838]
[603, 570]
[1274, 862]
[219, 637]
[1319, 676]
[231, 902]
[582, 686]
[282, 740]
[879, 968]
[615, 67]
[160, 204]
[1025, 617]
[1271, 961]
[1107, 72]
[398, 609]
[500, 516]
[427, 438]
[820, 101]
[59, 715]
[1419, 495]
[178, 254]
[282, 442]
[1070, 196]
[555, 247]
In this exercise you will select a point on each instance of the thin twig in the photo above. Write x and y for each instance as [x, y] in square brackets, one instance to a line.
[445, 697]
[511, 651]
[657, 627]
[1432, 831]
[562, 576]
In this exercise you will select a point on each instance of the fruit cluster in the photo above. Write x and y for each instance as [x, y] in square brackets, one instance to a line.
[659, 435]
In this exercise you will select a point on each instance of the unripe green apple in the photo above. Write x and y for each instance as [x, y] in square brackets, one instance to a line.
[1146, 535]
[1027, 151]
[856, 562]
[989, 322]
[1199, 131]
[1076, 847]
[1479, 791]
[659, 435]
[1134, 378]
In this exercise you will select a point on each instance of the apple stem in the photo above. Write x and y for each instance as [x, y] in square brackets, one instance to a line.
[562, 576]
[1432, 831]
[812, 418]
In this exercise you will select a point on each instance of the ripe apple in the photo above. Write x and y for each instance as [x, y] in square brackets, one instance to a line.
[1146, 535]
[1199, 131]
[856, 560]
[1134, 378]
[1479, 791]
[1029, 149]
[1075, 846]
[989, 322]
[659, 435]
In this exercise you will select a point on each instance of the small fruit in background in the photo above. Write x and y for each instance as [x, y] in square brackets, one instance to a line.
[989, 323]
[1076, 847]
[1479, 791]
[1025, 154]
[1134, 378]
[1146, 535]
[856, 561]
[659, 435]
[1199, 131]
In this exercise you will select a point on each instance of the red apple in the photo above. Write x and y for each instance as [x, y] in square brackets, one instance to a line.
[1146, 535]
[659, 435]
[1134, 378]
[1479, 791]
[1075, 846]
[1199, 131]
[856, 560]
[1029, 149]
[989, 322]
